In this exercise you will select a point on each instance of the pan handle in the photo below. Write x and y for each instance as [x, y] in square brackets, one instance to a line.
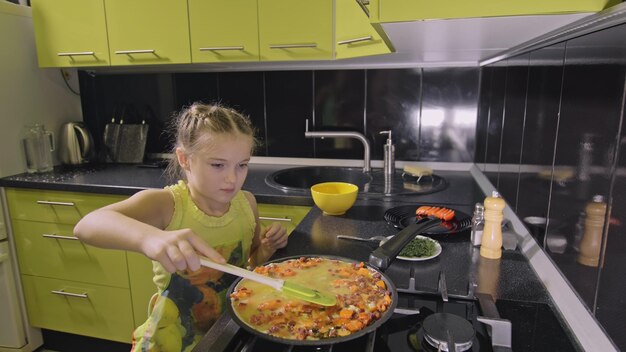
[382, 256]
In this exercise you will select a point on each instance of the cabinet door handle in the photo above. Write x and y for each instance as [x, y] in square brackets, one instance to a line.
[293, 46]
[70, 294]
[128, 52]
[355, 40]
[59, 237]
[217, 48]
[274, 219]
[78, 53]
[47, 202]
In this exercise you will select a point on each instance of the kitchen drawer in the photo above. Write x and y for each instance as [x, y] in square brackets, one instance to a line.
[77, 308]
[51, 250]
[54, 206]
[287, 215]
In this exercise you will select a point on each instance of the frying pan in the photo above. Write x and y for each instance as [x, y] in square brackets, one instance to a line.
[331, 340]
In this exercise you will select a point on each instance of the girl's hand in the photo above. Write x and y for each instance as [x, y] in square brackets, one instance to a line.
[274, 237]
[179, 250]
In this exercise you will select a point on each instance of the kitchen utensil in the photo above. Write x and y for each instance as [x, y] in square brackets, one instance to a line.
[38, 147]
[334, 198]
[125, 142]
[382, 256]
[289, 288]
[404, 215]
[415, 259]
[334, 340]
[76, 144]
[369, 239]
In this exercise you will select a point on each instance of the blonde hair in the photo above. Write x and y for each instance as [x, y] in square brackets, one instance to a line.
[193, 124]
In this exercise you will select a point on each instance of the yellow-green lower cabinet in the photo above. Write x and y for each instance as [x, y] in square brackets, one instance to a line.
[51, 250]
[55, 206]
[79, 308]
[141, 285]
[287, 215]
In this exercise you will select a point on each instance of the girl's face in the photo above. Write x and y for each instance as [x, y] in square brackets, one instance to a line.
[216, 173]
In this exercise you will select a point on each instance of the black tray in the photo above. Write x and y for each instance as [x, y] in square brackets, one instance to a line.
[404, 215]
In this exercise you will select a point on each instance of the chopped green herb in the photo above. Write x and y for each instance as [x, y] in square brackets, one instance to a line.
[419, 247]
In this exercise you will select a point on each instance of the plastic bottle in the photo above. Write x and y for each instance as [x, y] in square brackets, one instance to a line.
[491, 244]
[591, 242]
[478, 224]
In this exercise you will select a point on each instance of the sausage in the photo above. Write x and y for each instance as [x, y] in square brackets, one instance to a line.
[438, 212]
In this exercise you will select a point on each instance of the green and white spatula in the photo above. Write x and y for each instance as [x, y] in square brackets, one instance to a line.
[290, 289]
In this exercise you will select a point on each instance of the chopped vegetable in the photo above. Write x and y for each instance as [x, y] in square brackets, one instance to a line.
[419, 247]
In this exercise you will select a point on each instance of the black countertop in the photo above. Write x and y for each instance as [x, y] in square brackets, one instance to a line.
[509, 279]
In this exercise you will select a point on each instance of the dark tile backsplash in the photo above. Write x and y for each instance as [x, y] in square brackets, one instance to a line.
[554, 139]
[431, 112]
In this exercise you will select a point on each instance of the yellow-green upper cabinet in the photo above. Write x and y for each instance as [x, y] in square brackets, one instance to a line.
[409, 10]
[224, 30]
[295, 30]
[354, 34]
[70, 33]
[145, 32]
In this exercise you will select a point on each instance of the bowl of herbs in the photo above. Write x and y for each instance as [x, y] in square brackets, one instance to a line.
[420, 248]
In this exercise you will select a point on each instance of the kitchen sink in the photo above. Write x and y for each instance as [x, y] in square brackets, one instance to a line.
[300, 180]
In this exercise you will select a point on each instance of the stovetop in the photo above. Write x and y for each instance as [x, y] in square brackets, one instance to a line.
[402, 332]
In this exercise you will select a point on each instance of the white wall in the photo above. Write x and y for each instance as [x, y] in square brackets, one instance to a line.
[28, 94]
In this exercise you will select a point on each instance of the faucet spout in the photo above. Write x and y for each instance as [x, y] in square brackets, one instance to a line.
[342, 134]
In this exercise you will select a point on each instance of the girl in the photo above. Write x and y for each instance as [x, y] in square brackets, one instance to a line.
[206, 213]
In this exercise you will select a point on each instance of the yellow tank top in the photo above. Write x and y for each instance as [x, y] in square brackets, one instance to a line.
[188, 303]
[230, 234]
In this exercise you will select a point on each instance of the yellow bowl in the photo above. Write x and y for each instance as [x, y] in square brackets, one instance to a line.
[334, 198]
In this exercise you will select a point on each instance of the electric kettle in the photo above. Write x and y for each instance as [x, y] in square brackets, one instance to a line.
[76, 144]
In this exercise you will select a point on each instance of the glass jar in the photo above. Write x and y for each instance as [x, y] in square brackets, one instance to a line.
[38, 147]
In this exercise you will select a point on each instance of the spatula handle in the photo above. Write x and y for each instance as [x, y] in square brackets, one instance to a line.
[277, 284]
[382, 256]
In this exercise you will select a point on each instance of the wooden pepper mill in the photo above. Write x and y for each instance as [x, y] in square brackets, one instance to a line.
[491, 246]
[592, 235]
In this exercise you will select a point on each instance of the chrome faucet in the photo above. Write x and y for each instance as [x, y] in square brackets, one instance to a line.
[340, 134]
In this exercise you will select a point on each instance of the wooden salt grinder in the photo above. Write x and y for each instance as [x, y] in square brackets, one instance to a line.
[592, 236]
[491, 246]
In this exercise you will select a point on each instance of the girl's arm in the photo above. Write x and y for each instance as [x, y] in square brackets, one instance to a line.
[265, 241]
[138, 223]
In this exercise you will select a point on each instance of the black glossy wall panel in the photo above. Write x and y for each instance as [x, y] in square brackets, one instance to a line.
[571, 149]
[394, 103]
[243, 91]
[285, 121]
[486, 80]
[495, 117]
[278, 102]
[448, 114]
[339, 106]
